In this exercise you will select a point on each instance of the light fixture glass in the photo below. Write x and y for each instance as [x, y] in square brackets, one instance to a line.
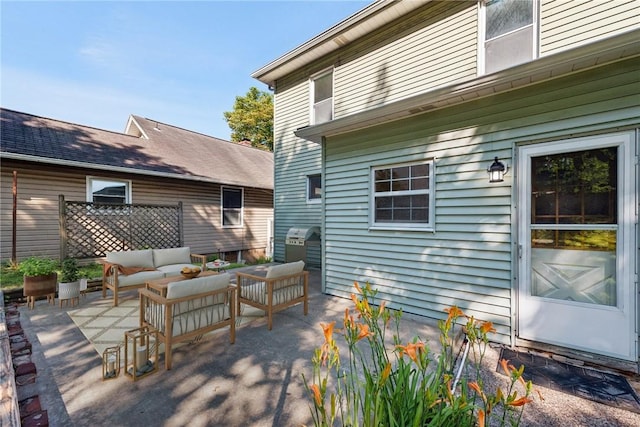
[497, 171]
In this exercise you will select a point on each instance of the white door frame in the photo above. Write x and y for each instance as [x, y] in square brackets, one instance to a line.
[626, 254]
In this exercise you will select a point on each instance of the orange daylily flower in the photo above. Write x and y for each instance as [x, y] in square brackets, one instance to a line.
[481, 420]
[520, 402]
[363, 331]
[454, 311]
[411, 349]
[316, 394]
[354, 299]
[503, 363]
[386, 372]
[474, 385]
[487, 327]
[357, 287]
[381, 308]
[327, 328]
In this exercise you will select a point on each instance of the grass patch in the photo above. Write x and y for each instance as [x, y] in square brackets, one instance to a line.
[11, 278]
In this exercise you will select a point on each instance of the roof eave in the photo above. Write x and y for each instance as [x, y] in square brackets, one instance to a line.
[93, 166]
[592, 55]
[355, 26]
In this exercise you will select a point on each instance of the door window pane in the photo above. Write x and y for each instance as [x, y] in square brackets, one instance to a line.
[575, 188]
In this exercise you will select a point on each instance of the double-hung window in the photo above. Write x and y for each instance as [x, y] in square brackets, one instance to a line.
[322, 97]
[403, 196]
[510, 35]
[232, 202]
[314, 188]
[110, 191]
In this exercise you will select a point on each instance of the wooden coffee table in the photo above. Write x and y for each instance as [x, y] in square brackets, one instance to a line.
[160, 285]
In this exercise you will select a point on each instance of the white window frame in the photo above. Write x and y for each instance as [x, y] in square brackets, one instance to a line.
[312, 103]
[482, 26]
[89, 187]
[223, 209]
[310, 199]
[406, 226]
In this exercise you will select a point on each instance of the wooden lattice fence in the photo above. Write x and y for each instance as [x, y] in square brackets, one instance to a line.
[89, 230]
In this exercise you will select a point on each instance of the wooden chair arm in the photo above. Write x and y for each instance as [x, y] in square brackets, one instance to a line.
[202, 259]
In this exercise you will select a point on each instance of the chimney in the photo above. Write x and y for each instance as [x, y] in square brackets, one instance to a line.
[245, 141]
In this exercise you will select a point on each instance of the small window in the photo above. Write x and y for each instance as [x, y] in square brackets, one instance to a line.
[110, 191]
[322, 98]
[510, 33]
[314, 188]
[232, 200]
[403, 196]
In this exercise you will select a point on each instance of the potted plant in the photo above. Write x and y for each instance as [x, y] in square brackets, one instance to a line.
[69, 288]
[40, 278]
[70, 272]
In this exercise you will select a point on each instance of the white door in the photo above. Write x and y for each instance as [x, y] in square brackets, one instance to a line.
[577, 254]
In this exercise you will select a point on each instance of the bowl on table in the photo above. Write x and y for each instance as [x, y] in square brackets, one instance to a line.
[190, 274]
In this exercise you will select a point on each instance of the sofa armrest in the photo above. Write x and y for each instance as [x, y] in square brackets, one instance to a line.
[201, 260]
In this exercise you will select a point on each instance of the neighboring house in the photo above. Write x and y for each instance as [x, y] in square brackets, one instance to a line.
[391, 118]
[226, 189]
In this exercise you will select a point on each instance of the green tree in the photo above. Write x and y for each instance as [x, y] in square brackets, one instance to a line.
[252, 119]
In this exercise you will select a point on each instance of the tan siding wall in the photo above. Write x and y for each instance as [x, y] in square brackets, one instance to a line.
[566, 24]
[422, 57]
[39, 187]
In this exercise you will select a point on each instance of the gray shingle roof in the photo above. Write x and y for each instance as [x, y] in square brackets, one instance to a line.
[169, 150]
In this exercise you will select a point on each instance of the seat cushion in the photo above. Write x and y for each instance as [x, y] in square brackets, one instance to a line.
[140, 258]
[139, 278]
[199, 285]
[285, 269]
[171, 256]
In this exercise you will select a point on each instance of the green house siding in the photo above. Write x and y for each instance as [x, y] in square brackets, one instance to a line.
[469, 259]
[294, 160]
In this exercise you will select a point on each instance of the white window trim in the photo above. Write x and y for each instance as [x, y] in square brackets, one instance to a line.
[312, 79]
[482, 26]
[309, 199]
[91, 178]
[430, 226]
[225, 187]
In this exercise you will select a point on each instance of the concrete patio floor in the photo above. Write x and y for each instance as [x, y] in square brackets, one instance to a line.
[255, 382]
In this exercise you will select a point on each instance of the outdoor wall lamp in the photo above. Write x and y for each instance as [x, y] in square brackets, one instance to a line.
[497, 171]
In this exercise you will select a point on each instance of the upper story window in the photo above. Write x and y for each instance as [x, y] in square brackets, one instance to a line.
[103, 190]
[510, 35]
[314, 188]
[232, 202]
[403, 196]
[322, 97]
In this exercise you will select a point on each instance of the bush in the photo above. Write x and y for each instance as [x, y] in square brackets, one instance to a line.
[415, 387]
[37, 266]
[70, 272]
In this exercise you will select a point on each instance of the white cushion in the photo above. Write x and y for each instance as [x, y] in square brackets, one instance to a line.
[198, 285]
[141, 258]
[285, 269]
[138, 278]
[171, 256]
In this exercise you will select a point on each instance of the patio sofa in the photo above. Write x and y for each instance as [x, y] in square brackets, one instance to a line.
[190, 309]
[126, 270]
[283, 285]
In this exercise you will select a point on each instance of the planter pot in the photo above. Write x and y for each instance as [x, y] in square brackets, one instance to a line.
[37, 286]
[69, 291]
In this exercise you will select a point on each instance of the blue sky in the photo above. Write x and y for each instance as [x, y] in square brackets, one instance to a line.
[181, 63]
